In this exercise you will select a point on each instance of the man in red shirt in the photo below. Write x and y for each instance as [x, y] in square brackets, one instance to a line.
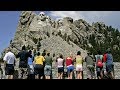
[70, 67]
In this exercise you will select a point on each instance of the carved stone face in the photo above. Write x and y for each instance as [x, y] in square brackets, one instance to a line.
[60, 22]
[42, 16]
[48, 18]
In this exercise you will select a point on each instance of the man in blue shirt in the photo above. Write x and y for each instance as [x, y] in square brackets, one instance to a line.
[109, 64]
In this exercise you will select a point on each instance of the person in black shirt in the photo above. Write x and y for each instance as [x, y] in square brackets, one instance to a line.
[23, 56]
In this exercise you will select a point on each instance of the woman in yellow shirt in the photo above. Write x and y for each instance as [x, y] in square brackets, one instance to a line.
[79, 66]
[39, 67]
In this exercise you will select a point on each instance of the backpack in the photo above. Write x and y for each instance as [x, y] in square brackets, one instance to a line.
[99, 62]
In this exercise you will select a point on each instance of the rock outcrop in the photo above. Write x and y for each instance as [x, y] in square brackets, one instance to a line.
[33, 29]
[62, 36]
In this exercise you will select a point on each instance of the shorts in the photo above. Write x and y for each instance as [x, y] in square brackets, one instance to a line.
[22, 64]
[99, 70]
[47, 70]
[79, 68]
[109, 68]
[9, 69]
[70, 69]
[60, 69]
[30, 69]
[39, 69]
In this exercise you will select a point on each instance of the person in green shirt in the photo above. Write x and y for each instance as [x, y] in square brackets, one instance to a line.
[48, 66]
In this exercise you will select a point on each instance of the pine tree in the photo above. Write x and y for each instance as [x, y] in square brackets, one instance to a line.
[59, 33]
[68, 39]
[35, 40]
[52, 33]
[65, 37]
[75, 41]
[10, 41]
[48, 34]
[39, 44]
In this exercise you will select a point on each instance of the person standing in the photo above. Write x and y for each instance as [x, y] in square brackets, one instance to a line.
[44, 55]
[1, 70]
[70, 66]
[109, 63]
[23, 63]
[90, 66]
[9, 63]
[30, 66]
[99, 64]
[60, 65]
[79, 65]
[48, 66]
[39, 67]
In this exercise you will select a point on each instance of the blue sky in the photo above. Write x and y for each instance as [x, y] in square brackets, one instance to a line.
[9, 21]
[8, 25]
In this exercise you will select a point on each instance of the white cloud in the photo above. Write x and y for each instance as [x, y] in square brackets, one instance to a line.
[87, 15]
[61, 14]
[108, 17]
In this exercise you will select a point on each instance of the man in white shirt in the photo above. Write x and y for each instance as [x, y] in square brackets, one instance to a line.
[9, 62]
